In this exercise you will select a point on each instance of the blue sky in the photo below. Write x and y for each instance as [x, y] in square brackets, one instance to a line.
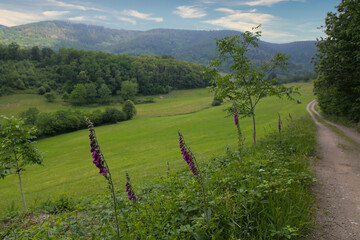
[282, 20]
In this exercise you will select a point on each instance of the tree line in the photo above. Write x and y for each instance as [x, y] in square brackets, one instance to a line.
[337, 64]
[101, 74]
[64, 121]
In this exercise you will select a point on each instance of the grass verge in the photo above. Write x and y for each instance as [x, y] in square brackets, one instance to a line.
[262, 193]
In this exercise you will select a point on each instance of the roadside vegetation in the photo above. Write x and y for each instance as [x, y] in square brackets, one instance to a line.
[262, 193]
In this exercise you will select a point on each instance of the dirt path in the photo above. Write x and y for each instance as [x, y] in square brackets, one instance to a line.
[338, 188]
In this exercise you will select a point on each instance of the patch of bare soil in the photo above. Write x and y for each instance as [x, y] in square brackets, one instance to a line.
[338, 188]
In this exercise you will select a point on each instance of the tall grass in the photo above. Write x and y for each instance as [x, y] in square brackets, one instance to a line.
[143, 145]
[261, 194]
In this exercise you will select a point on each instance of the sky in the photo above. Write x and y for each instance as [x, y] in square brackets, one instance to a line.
[281, 20]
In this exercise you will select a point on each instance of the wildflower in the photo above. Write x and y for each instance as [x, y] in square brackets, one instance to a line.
[187, 155]
[236, 118]
[290, 116]
[279, 123]
[95, 149]
[100, 163]
[129, 190]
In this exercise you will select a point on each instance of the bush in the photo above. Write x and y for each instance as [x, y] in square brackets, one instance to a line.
[129, 109]
[113, 115]
[50, 96]
[216, 101]
[65, 96]
[30, 115]
[41, 90]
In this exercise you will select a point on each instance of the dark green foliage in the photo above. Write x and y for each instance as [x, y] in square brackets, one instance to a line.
[78, 95]
[30, 115]
[65, 97]
[129, 89]
[338, 83]
[63, 121]
[50, 96]
[217, 101]
[101, 74]
[104, 94]
[113, 115]
[41, 90]
[129, 109]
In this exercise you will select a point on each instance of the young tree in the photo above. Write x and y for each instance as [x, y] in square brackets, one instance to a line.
[129, 109]
[129, 89]
[78, 95]
[104, 94]
[246, 84]
[338, 60]
[16, 149]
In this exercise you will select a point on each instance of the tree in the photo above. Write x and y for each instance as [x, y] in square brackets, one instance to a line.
[104, 94]
[78, 95]
[35, 53]
[246, 84]
[129, 109]
[92, 93]
[13, 51]
[65, 96]
[129, 89]
[338, 59]
[50, 96]
[17, 149]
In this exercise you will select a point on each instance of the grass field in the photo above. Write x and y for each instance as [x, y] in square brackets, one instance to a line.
[142, 146]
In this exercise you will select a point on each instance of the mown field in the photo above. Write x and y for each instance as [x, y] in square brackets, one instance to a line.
[142, 146]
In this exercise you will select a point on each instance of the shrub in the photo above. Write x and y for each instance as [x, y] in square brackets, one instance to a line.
[41, 90]
[129, 109]
[217, 101]
[113, 115]
[65, 97]
[50, 96]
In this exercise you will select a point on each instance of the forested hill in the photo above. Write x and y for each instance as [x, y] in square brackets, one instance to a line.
[188, 45]
[37, 69]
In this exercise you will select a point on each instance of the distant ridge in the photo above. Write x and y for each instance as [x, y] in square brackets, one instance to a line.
[188, 45]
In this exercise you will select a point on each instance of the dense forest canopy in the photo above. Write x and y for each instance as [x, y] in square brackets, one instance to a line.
[338, 63]
[48, 70]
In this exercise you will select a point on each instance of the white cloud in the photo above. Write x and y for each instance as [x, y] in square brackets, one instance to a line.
[129, 20]
[78, 18]
[13, 18]
[189, 12]
[226, 10]
[238, 20]
[101, 17]
[54, 14]
[72, 6]
[144, 16]
[245, 21]
[266, 2]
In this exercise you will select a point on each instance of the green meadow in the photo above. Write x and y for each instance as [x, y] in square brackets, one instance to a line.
[142, 146]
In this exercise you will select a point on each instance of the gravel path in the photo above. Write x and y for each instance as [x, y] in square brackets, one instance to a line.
[338, 188]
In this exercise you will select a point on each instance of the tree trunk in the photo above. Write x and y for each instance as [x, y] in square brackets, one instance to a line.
[18, 173]
[254, 128]
[22, 193]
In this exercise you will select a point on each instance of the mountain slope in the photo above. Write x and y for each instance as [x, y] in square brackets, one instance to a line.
[189, 45]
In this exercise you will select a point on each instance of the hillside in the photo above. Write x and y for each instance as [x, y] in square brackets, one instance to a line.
[188, 45]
